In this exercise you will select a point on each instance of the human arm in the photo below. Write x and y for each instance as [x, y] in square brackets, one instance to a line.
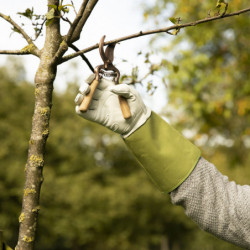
[170, 160]
[217, 205]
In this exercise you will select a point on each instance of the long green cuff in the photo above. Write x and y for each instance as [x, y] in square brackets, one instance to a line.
[167, 157]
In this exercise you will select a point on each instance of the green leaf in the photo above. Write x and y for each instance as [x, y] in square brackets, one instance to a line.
[149, 86]
[175, 68]
[164, 62]
[145, 15]
[65, 10]
[16, 30]
[49, 21]
[176, 31]
[173, 20]
[53, 6]
[50, 14]
[219, 2]
[28, 13]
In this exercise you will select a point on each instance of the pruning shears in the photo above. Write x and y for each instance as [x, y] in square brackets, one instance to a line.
[107, 57]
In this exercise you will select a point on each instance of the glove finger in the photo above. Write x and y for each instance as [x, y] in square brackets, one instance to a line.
[78, 99]
[90, 79]
[84, 89]
[77, 110]
[122, 90]
[89, 114]
[86, 114]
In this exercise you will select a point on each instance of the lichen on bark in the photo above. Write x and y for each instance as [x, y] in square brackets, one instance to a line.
[44, 79]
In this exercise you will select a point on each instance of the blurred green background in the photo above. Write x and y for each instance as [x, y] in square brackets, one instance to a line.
[94, 195]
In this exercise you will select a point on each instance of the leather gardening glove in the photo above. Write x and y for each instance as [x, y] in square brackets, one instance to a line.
[166, 156]
[105, 108]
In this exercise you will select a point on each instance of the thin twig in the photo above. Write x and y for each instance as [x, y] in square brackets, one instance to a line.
[225, 10]
[14, 52]
[65, 19]
[144, 33]
[83, 57]
[76, 21]
[74, 7]
[35, 51]
[25, 35]
[40, 29]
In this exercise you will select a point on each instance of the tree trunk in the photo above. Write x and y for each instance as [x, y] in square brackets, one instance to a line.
[44, 79]
[35, 162]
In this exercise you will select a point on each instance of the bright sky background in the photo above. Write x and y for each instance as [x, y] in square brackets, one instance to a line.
[113, 18]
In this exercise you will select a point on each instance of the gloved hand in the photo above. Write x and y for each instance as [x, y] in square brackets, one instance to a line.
[166, 156]
[105, 108]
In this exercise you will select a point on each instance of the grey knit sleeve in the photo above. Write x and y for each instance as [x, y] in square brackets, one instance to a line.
[217, 205]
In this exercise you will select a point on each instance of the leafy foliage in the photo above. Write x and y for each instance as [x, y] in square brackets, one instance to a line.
[27, 13]
[37, 21]
[209, 94]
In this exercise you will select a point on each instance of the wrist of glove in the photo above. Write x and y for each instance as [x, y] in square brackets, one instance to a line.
[105, 108]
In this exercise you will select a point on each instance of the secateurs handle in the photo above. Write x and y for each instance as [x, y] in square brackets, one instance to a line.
[88, 98]
[124, 107]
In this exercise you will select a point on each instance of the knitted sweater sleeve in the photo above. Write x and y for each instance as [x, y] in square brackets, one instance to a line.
[217, 205]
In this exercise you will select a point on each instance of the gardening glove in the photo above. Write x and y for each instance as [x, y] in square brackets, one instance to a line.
[105, 108]
[166, 156]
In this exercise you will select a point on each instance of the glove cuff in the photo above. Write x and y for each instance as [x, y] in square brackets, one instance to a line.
[166, 156]
[143, 118]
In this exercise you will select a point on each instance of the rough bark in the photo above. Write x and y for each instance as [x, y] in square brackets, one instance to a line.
[44, 79]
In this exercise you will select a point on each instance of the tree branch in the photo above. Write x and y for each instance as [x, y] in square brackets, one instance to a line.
[30, 49]
[38, 33]
[144, 33]
[83, 57]
[14, 52]
[64, 45]
[76, 21]
[8, 19]
[35, 50]
[76, 27]
[73, 7]
[77, 30]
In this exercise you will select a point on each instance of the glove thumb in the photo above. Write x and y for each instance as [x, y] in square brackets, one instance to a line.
[122, 90]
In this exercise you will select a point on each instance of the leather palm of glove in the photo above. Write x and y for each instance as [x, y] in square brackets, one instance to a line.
[105, 108]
